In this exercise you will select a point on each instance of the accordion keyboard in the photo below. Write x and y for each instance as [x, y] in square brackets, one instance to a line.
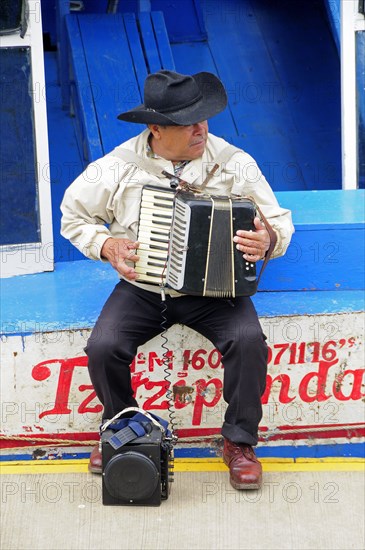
[154, 232]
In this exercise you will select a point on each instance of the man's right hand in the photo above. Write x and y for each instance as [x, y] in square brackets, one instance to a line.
[117, 252]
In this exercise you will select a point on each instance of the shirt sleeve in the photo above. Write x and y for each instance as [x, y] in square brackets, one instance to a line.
[250, 182]
[87, 208]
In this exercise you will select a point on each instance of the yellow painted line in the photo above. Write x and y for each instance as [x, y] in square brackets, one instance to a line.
[279, 460]
[333, 459]
[278, 467]
[44, 467]
[191, 465]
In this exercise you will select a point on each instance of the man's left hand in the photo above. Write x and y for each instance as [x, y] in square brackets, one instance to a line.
[253, 244]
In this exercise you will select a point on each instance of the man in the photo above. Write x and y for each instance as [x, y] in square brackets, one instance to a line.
[100, 217]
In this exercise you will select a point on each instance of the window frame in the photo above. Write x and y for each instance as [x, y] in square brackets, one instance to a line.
[352, 21]
[27, 258]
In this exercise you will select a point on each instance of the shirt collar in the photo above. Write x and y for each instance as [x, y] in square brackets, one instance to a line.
[178, 167]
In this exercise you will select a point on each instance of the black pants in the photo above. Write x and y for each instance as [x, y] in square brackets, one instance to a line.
[132, 316]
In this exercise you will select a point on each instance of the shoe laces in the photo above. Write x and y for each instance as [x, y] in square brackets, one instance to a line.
[246, 450]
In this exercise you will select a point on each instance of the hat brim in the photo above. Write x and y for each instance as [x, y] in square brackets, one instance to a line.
[213, 101]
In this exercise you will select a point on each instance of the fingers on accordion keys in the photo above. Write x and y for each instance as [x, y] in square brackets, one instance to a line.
[130, 254]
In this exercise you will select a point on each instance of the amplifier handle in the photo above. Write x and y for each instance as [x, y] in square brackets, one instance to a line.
[135, 409]
[273, 241]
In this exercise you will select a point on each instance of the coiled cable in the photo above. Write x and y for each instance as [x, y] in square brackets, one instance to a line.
[166, 357]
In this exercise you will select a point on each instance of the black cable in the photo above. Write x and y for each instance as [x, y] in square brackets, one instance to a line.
[165, 363]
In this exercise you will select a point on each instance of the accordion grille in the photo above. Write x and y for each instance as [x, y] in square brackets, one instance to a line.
[178, 245]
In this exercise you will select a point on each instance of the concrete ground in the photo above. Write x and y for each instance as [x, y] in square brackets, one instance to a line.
[294, 510]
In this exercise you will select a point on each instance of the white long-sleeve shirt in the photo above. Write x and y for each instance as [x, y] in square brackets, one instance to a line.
[104, 200]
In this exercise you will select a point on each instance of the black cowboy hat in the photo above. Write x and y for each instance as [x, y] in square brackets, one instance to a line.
[180, 100]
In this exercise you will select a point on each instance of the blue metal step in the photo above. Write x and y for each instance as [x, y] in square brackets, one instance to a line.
[110, 57]
[281, 70]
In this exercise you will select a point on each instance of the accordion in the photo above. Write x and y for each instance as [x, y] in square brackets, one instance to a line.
[186, 243]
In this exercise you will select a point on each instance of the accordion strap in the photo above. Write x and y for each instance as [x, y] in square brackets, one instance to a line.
[273, 240]
[132, 158]
[223, 157]
[145, 164]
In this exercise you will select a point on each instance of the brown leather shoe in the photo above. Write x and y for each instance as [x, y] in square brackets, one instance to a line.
[245, 470]
[95, 464]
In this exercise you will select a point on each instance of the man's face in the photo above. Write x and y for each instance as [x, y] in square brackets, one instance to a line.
[177, 143]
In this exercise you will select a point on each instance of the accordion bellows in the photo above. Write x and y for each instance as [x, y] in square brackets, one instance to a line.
[186, 243]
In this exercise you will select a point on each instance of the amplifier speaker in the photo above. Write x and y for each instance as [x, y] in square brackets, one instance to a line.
[138, 473]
